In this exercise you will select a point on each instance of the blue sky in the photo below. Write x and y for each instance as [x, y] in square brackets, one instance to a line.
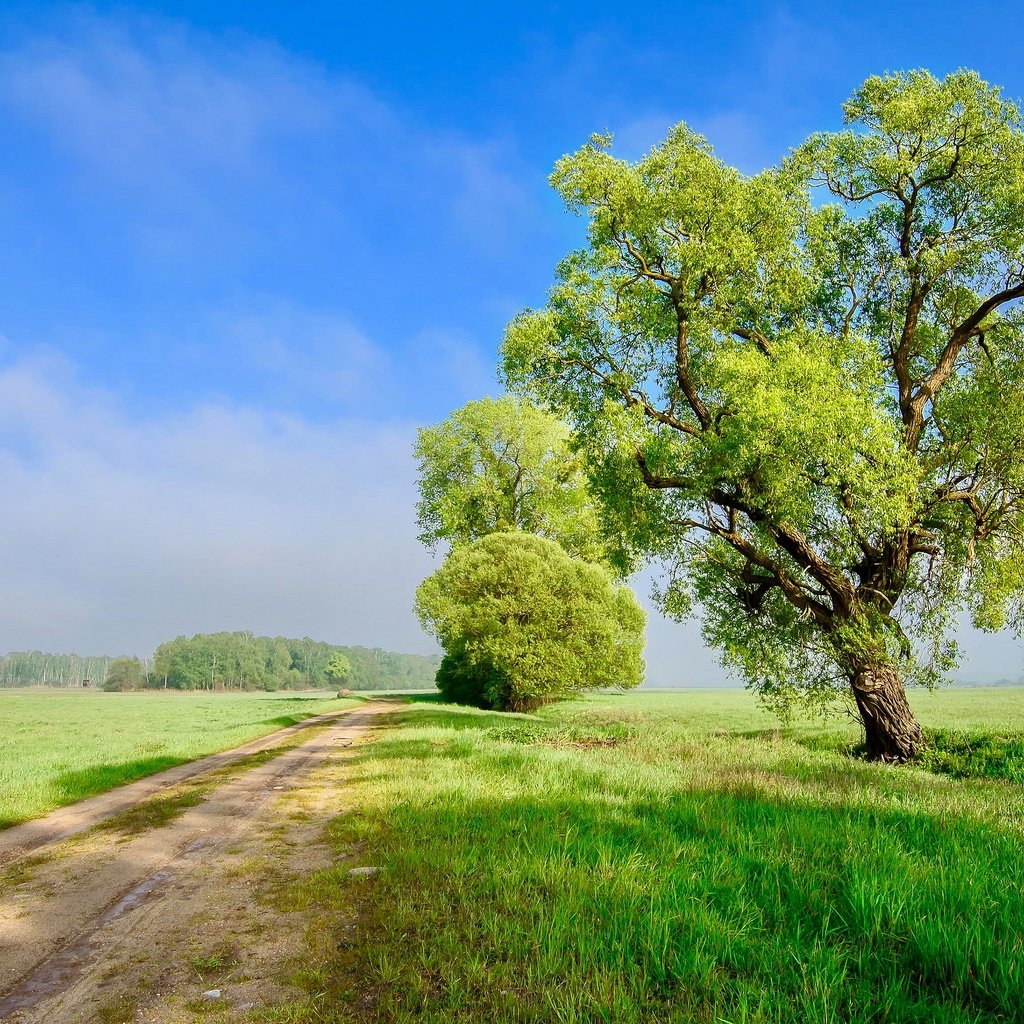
[247, 248]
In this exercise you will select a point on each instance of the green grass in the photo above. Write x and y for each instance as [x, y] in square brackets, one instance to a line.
[669, 858]
[59, 747]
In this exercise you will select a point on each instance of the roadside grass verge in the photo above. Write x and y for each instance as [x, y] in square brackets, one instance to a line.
[665, 858]
[156, 812]
[58, 748]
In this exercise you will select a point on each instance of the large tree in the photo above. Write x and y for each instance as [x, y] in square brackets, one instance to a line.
[812, 413]
[503, 464]
[523, 623]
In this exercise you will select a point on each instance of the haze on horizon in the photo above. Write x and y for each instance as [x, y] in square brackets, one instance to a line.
[249, 248]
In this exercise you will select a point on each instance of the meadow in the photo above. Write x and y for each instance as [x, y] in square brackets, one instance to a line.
[61, 746]
[672, 857]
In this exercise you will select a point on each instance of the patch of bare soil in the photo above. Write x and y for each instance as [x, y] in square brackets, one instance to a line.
[120, 925]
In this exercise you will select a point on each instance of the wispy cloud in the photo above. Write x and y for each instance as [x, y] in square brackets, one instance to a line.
[223, 198]
[146, 103]
[154, 105]
[117, 533]
[314, 355]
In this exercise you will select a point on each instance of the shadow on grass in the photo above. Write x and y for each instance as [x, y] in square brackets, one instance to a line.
[458, 716]
[283, 721]
[975, 754]
[831, 739]
[611, 899]
[76, 785]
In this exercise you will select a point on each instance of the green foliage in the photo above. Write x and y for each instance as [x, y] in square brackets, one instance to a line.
[124, 674]
[214, 661]
[532, 621]
[339, 668]
[813, 416]
[463, 679]
[503, 464]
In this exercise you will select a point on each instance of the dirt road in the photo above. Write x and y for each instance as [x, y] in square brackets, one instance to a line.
[137, 918]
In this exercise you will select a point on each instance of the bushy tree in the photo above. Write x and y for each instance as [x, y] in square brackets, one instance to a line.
[503, 464]
[123, 674]
[813, 414]
[463, 678]
[527, 623]
[339, 668]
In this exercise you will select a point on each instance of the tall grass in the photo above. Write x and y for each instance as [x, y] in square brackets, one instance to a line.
[669, 858]
[60, 747]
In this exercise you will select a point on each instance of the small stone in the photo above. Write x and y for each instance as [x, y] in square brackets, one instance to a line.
[213, 993]
[362, 872]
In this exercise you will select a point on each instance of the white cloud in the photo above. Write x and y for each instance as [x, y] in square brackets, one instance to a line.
[318, 354]
[116, 534]
[145, 99]
[195, 123]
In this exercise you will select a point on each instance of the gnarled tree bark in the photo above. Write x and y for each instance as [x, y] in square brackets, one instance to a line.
[891, 732]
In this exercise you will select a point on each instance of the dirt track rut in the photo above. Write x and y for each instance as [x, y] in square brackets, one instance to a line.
[111, 926]
[67, 821]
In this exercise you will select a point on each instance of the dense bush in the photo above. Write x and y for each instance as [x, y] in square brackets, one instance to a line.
[465, 680]
[523, 623]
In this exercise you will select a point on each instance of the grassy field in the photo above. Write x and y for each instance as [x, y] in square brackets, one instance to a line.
[669, 857]
[57, 747]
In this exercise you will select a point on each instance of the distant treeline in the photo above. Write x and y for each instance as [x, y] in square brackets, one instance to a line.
[1019, 681]
[34, 668]
[245, 662]
[230, 661]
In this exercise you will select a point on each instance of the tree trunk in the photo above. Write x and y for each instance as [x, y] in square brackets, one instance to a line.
[891, 731]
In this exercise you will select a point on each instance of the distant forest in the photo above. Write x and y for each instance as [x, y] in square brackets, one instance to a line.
[33, 668]
[231, 661]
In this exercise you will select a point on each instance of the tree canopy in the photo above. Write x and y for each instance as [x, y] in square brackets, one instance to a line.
[123, 674]
[503, 464]
[811, 413]
[522, 623]
[339, 668]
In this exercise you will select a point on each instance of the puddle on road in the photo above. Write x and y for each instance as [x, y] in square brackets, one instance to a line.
[57, 972]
